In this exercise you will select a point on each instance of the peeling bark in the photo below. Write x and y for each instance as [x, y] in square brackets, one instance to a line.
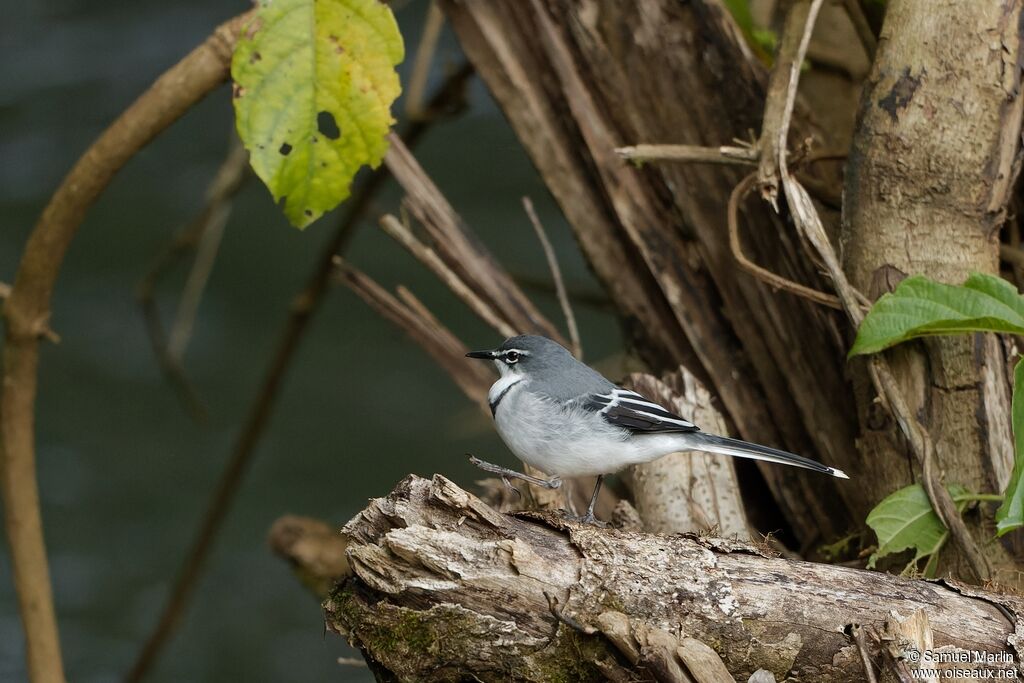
[688, 491]
[445, 588]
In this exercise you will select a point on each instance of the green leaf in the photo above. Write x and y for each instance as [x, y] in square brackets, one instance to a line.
[905, 520]
[1010, 514]
[740, 11]
[921, 307]
[314, 83]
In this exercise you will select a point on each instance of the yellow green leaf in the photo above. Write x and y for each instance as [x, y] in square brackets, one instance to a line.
[314, 83]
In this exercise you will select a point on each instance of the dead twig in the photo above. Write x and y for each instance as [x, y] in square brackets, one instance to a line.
[556, 275]
[413, 318]
[461, 251]
[563, 618]
[744, 156]
[27, 310]
[304, 305]
[781, 95]
[727, 155]
[763, 274]
[862, 26]
[421, 66]
[865, 656]
[229, 180]
[204, 231]
[1011, 253]
[428, 257]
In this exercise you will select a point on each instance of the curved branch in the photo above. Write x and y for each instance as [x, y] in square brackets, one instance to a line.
[27, 311]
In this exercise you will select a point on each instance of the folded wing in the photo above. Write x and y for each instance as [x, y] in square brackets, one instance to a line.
[630, 410]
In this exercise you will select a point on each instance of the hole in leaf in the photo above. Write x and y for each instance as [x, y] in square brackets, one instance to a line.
[285, 149]
[327, 126]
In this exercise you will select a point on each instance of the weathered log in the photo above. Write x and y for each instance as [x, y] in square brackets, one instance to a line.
[445, 588]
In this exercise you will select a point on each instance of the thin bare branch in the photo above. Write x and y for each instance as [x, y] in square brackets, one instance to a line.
[1013, 255]
[425, 330]
[461, 251]
[745, 156]
[781, 95]
[425, 255]
[556, 275]
[225, 186]
[865, 656]
[417, 86]
[211, 218]
[862, 26]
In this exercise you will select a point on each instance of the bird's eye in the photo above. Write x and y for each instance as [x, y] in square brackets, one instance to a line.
[512, 357]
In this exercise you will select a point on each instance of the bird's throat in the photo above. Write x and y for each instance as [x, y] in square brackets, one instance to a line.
[500, 389]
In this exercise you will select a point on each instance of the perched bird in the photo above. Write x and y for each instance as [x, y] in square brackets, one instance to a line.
[567, 420]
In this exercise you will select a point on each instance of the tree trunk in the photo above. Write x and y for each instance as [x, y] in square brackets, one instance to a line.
[928, 181]
[446, 589]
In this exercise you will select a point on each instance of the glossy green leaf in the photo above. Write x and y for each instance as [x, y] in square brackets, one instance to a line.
[905, 520]
[1010, 514]
[921, 307]
[314, 83]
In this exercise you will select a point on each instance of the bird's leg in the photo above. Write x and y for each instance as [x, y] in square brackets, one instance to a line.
[552, 483]
[589, 517]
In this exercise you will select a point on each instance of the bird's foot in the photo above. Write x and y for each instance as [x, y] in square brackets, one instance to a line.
[510, 487]
[505, 473]
[587, 518]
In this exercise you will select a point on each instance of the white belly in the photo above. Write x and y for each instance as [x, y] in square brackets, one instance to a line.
[567, 442]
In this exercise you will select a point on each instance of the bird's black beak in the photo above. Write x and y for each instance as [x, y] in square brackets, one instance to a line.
[486, 355]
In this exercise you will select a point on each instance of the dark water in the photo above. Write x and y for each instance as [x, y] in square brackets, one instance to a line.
[124, 472]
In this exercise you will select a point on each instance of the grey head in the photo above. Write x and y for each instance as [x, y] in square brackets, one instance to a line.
[550, 367]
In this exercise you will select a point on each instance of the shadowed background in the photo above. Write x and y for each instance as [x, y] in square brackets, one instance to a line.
[124, 473]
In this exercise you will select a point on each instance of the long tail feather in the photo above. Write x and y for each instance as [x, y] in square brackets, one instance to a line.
[699, 441]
